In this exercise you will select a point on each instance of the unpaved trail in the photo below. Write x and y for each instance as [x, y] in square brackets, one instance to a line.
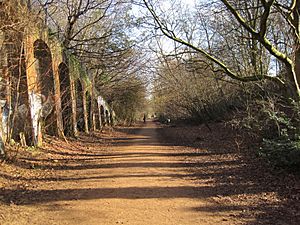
[136, 181]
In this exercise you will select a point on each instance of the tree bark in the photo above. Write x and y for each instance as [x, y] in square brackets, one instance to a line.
[85, 112]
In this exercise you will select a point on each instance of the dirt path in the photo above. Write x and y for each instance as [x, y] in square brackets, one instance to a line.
[133, 177]
[137, 180]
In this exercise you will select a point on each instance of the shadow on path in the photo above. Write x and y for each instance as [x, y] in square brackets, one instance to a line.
[216, 168]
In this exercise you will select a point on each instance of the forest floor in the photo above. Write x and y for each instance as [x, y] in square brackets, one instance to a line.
[143, 175]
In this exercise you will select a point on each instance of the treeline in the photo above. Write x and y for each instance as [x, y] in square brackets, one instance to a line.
[233, 61]
[64, 66]
[98, 33]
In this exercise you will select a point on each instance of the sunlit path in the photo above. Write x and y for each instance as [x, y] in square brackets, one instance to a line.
[137, 180]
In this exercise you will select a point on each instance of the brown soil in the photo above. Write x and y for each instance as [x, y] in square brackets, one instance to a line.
[146, 175]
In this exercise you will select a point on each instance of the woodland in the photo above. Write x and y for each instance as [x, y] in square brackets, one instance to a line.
[233, 64]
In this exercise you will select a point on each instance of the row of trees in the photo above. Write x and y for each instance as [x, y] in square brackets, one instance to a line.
[208, 58]
[231, 56]
[241, 40]
[97, 32]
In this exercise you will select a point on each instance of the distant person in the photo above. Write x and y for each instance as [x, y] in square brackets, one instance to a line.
[144, 118]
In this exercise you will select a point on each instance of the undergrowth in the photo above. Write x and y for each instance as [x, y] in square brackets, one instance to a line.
[276, 122]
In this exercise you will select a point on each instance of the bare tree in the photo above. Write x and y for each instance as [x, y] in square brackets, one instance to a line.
[256, 31]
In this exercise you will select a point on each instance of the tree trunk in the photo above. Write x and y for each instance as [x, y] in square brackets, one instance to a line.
[297, 63]
[2, 146]
[296, 23]
[74, 105]
[85, 113]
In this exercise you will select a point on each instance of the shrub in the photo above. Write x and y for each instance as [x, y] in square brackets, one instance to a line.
[282, 152]
[277, 121]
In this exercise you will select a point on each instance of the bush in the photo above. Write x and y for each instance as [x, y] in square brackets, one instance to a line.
[277, 122]
[281, 152]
